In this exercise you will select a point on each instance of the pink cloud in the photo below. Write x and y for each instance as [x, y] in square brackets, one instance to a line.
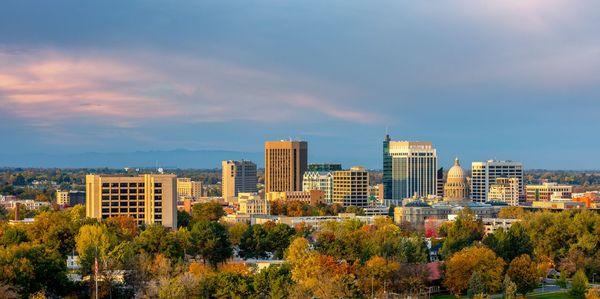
[51, 87]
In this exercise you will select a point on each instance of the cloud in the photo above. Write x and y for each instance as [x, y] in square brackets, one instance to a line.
[50, 87]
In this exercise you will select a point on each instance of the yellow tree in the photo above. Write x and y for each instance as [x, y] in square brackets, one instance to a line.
[523, 271]
[376, 273]
[461, 266]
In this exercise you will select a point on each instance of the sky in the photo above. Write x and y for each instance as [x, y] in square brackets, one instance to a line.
[495, 79]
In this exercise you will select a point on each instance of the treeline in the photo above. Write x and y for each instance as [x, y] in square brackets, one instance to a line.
[203, 257]
[515, 259]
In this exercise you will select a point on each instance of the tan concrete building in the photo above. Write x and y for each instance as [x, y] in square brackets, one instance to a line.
[252, 204]
[62, 197]
[285, 164]
[312, 197]
[236, 177]
[186, 188]
[456, 187]
[148, 198]
[544, 192]
[351, 187]
[505, 190]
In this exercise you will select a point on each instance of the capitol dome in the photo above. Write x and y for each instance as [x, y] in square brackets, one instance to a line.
[456, 188]
[456, 172]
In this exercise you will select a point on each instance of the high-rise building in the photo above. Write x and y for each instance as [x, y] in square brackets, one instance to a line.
[440, 182]
[285, 164]
[237, 176]
[456, 188]
[545, 191]
[351, 187]
[409, 167]
[187, 188]
[147, 198]
[319, 180]
[484, 174]
[387, 168]
[505, 190]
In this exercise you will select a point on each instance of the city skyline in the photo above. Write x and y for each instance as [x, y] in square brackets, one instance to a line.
[505, 79]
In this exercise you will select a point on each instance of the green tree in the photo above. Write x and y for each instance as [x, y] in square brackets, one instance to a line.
[209, 211]
[579, 285]
[210, 241]
[463, 232]
[13, 234]
[477, 285]
[523, 271]
[254, 242]
[183, 218]
[91, 242]
[510, 243]
[273, 282]
[152, 238]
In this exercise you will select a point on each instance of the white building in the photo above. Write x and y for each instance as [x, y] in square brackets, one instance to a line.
[505, 190]
[484, 174]
[413, 170]
[319, 180]
[252, 204]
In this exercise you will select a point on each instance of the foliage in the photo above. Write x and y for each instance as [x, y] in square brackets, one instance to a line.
[463, 232]
[209, 211]
[510, 243]
[510, 288]
[210, 241]
[273, 282]
[579, 285]
[461, 266]
[523, 271]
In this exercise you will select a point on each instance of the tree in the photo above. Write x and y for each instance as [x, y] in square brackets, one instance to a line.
[183, 218]
[254, 242]
[510, 288]
[33, 267]
[13, 234]
[236, 232]
[523, 271]
[512, 213]
[510, 243]
[125, 227]
[465, 230]
[461, 266]
[376, 273]
[210, 241]
[273, 282]
[209, 211]
[151, 239]
[55, 230]
[477, 285]
[579, 285]
[91, 242]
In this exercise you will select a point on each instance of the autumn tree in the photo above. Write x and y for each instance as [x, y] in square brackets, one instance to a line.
[273, 282]
[579, 285]
[461, 266]
[523, 271]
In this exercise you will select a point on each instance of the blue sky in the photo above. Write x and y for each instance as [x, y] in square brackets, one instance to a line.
[505, 79]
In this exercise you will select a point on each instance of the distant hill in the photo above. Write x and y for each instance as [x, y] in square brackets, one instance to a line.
[179, 158]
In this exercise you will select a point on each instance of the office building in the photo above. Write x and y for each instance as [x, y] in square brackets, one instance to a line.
[237, 176]
[505, 190]
[409, 168]
[285, 164]
[186, 188]
[319, 180]
[147, 198]
[387, 168]
[544, 191]
[351, 187]
[484, 174]
[456, 187]
[70, 198]
[440, 182]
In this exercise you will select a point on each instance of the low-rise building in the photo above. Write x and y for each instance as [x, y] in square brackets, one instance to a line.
[70, 198]
[252, 204]
[416, 212]
[558, 205]
[544, 191]
[505, 190]
[312, 197]
[490, 225]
